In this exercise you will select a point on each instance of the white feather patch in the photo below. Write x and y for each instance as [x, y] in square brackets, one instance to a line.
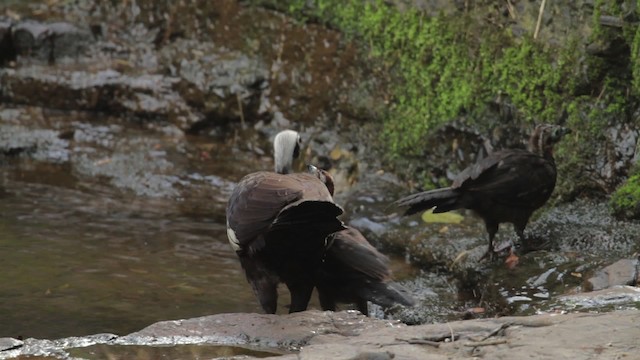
[233, 239]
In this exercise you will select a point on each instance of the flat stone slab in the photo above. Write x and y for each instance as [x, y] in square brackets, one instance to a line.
[349, 335]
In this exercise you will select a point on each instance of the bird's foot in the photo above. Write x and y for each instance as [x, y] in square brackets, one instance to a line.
[492, 251]
[505, 245]
[512, 260]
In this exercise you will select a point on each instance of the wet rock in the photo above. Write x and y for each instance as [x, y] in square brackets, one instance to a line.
[28, 37]
[622, 272]
[226, 83]
[616, 297]
[207, 86]
[49, 42]
[53, 348]
[9, 344]
[347, 336]
[587, 228]
[288, 332]
[146, 96]
[40, 144]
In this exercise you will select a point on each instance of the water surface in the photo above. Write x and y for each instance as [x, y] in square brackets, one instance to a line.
[80, 256]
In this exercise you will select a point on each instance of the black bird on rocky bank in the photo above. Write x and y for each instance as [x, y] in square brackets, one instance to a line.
[278, 225]
[506, 186]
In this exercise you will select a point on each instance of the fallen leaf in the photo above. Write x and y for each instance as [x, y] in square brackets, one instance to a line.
[335, 154]
[102, 161]
[476, 310]
[448, 218]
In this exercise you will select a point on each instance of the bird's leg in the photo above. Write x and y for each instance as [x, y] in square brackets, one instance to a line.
[492, 229]
[363, 306]
[300, 295]
[523, 241]
[327, 302]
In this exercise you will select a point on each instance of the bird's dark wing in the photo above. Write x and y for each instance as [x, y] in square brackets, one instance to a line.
[260, 197]
[518, 177]
[255, 203]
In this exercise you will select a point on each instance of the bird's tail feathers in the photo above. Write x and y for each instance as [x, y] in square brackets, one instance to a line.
[444, 200]
[386, 294]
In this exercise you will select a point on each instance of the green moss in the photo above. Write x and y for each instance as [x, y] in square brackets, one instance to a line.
[625, 201]
[452, 65]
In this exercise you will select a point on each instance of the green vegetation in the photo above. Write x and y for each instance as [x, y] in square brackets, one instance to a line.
[453, 65]
[447, 66]
[625, 201]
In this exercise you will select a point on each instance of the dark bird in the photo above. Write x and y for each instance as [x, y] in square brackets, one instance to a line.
[506, 186]
[354, 271]
[278, 225]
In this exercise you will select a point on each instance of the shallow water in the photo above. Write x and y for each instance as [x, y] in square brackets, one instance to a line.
[79, 262]
[164, 352]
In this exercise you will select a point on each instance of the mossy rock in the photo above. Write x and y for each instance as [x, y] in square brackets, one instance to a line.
[625, 201]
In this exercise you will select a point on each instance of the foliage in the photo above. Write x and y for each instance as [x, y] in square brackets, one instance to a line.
[625, 201]
[452, 66]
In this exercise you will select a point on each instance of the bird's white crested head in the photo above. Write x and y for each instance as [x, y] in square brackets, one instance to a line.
[286, 148]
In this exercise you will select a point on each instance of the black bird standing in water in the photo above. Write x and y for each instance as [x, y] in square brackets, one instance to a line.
[278, 225]
[506, 186]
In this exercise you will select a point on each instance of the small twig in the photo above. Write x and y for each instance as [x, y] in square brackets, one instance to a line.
[511, 9]
[495, 331]
[453, 337]
[486, 343]
[421, 342]
[540, 13]
[601, 94]
[431, 341]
